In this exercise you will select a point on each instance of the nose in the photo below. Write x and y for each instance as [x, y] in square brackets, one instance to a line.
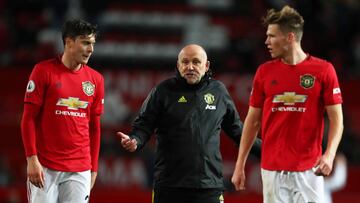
[190, 66]
[267, 41]
[90, 48]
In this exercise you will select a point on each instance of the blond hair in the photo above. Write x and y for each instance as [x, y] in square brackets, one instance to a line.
[288, 19]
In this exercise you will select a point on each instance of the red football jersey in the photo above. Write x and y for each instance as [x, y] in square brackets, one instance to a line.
[293, 100]
[67, 99]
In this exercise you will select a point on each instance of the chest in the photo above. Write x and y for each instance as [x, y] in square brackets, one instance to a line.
[193, 104]
[73, 90]
[293, 82]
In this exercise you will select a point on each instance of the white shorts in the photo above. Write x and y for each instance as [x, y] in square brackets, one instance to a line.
[292, 187]
[61, 187]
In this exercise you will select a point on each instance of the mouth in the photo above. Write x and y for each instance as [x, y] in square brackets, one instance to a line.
[84, 59]
[190, 75]
[86, 55]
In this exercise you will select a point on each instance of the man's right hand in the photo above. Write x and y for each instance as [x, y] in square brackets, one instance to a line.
[238, 179]
[127, 143]
[35, 172]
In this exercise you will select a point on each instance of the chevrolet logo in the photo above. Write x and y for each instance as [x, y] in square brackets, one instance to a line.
[72, 103]
[289, 98]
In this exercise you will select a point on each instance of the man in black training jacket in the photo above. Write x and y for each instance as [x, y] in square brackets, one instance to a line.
[187, 113]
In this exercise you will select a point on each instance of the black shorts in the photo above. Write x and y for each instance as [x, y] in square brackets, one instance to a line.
[188, 195]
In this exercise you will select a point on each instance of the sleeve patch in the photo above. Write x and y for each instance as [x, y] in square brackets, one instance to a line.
[30, 86]
[336, 90]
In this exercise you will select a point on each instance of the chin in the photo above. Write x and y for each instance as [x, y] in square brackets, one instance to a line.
[274, 56]
[192, 82]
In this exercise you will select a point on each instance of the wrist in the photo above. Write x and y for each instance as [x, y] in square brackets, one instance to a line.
[240, 164]
[330, 154]
[32, 158]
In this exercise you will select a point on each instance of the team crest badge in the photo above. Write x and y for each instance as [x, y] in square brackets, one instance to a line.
[307, 81]
[30, 86]
[88, 88]
[209, 98]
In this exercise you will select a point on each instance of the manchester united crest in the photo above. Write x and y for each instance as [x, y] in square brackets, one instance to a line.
[307, 81]
[88, 88]
[209, 98]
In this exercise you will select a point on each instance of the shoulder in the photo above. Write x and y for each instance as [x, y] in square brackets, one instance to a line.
[321, 66]
[315, 59]
[167, 84]
[269, 64]
[268, 67]
[93, 72]
[45, 65]
[161, 89]
[217, 85]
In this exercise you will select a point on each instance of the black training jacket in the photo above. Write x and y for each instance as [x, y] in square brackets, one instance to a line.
[187, 120]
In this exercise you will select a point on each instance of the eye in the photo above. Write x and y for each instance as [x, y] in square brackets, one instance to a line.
[88, 43]
[185, 62]
[196, 62]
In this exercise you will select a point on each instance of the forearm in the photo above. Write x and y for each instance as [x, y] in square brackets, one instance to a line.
[250, 130]
[336, 128]
[247, 140]
[94, 133]
[334, 136]
[256, 148]
[28, 128]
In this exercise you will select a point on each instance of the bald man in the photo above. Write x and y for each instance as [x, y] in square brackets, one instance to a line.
[188, 112]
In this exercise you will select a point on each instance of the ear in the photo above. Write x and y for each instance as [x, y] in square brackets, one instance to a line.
[207, 65]
[291, 37]
[68, 42]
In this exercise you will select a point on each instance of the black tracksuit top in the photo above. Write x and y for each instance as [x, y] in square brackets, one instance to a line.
[187, 120]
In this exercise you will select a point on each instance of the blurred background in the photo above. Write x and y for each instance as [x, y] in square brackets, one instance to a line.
[137, 48]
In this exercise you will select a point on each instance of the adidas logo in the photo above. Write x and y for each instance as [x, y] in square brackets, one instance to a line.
[182, 100]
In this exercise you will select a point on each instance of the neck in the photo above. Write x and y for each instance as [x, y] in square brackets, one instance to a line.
[295, 55]
[69, 62]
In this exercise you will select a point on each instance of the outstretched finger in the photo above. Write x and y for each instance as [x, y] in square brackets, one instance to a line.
[122, 135]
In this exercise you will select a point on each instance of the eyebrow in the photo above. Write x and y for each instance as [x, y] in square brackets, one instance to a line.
[198, 59]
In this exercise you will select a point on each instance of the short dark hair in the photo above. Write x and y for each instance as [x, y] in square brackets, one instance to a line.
[288, 19]
[77, 27]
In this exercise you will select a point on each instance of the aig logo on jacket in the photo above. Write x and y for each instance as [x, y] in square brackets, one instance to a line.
[209, 99]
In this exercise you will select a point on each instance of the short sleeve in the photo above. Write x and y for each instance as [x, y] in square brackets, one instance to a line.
[331, 91]
[36, 86]
[98, 105]
[257, 97]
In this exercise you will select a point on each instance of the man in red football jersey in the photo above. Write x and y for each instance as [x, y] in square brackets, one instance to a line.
[289, 97]
[61, 120]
